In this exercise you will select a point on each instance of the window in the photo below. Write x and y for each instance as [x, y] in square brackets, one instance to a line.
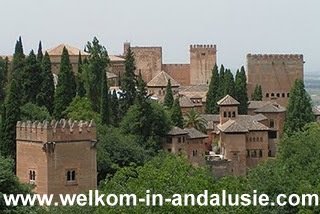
[229, 114]
[267, 94]
[261, 139]
[203, 54]
[71, 175]
[183, 139]
[272, 134]
[271, 123]
[250, 139]
[233, 114]
[248, 153]
[288, 94]
[283, 95]
[278, 94]
[169, 140]
[254, 139]
[224, 114]
[272, 94]
[32, 175]
[260, 153]
[179, 139]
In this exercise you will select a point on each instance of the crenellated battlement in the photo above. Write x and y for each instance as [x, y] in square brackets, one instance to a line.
[205, 46]
[56, 131]
[274, 56]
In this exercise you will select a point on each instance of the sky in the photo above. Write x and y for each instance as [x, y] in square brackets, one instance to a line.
[237, 27]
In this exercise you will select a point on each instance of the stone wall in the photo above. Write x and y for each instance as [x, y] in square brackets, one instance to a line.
[179, 72]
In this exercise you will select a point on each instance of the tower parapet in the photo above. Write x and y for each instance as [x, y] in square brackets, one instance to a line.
[56, 131]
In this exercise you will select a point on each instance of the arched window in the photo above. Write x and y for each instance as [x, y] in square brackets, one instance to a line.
[272, 94]
[278, 94]
[267, 94]
[283, 95]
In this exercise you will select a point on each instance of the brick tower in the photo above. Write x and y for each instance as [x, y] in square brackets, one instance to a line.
[276, 73]
[202, 60]
[58, 157]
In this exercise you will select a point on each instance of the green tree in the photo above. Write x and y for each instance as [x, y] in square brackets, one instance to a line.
[9, 120]
[97, 63]
[221, 81]
[81, 109]
[65, 90]
[228, 84]
[9, 184]
[105, 102]
[149, 122]
[128, 85]
[257, 93]
[164, 174]
[18, 64]
[176, 114]
[116, 150]
[45, 95]
[81, 91]
[30, 111]
[114, 108]
[168, 99]
[194, 119]
[31, 79]
[299, 110]
[141, 93]
[2, 81]
[241, 91]
[40, 53]
[213, 95]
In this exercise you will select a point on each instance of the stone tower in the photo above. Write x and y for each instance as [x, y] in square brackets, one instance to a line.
[202, 60]
[58, 157]
[276, 73]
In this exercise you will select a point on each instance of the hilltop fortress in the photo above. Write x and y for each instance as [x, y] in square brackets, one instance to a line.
[275, 73]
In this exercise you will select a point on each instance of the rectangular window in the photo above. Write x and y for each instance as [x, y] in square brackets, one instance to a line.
[71, 176]
[272, 134]
[179, 139]
[271, 123]
[169, 140]
[32, 175]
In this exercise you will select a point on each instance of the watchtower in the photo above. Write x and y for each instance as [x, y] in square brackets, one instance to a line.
[276, 73]
[202, 60]
[58, 157]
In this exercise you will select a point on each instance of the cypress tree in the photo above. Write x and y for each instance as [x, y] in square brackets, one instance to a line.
[228, 84]
[241, 91]
[46, 93]
[299, 110]
[257, 93]
[212, 95]
[141, 93]
[98, 61]
[114, 108]
[30, 79]
[168, 99]
[40, 53]
[104, 108]
[221, 78]
[11, 116]
[128, 86]
[81, 91]
[18, 62]
[65, 90]
[2, 81]
[176, 114]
